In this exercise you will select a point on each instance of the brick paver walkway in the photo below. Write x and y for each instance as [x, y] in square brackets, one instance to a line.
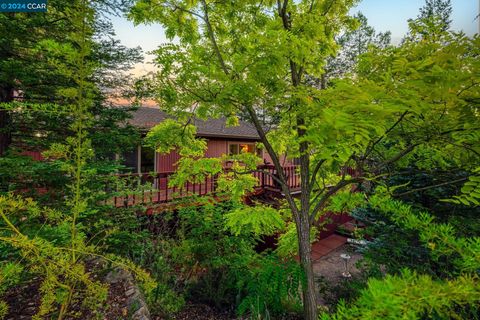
[323, 247]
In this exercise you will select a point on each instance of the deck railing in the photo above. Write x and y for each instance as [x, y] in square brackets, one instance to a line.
[144, 188]
[266, 175]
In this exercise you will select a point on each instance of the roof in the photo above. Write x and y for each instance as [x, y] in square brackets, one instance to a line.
[147, 117]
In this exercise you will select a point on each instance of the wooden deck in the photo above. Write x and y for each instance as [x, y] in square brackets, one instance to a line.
[144, 189]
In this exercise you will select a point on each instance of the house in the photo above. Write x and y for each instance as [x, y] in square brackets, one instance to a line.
[147, 168]
[221, 140]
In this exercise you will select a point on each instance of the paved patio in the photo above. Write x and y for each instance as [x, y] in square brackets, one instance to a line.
[323, 247]
[329, 267]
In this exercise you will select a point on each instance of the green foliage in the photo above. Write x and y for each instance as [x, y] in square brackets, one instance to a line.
[51, 242]
[193, 167]
[10, 275]
[170, 135]
[257, 221]
[451, 291]
[23, 173]
[346, 201]
[194, 170]
[440, 238]
[470, 191]
[411, 296]
[44, 257]
[416, 103]
[3, 309]
[202, 260]
[393, 248]
[206, 246]
[288, 242]
[236, 185]
[272, 288]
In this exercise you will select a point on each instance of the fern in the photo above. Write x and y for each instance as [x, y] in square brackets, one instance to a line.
[272, 288]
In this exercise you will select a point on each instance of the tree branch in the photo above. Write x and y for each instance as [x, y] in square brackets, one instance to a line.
[369, 150]
[430, 187]
[315, 171]
[400, 155]
[274, 156]
[323, 200]
[212, 38]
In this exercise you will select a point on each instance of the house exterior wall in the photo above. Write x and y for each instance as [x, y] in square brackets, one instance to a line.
[35, 155]
[166, 162]
[215, 148]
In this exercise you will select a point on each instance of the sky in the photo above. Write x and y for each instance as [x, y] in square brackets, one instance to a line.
[383, 15]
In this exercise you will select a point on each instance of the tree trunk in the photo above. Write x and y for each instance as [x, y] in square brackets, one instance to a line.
[309, 296]
[6, 95]
[303, 226]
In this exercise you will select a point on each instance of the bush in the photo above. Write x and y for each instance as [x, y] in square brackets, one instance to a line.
[202, 261]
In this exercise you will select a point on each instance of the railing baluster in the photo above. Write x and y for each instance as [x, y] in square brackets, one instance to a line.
[143, 183]
[166, 188]
[154, 183]
[264, 175]
[159, 188]
[206, 185]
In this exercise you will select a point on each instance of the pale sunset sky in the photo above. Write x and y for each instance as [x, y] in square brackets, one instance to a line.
[383, 15]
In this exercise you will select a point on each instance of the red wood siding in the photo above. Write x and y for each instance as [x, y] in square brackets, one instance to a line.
[166, 162]
[215, 148]
[36, 155]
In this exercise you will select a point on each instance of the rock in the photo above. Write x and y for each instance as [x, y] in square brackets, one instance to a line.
[141, 314]
[135, 300]
[117, 275]
[130, 292]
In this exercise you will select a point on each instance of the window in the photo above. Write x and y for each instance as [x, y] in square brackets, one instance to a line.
[140, 160]
[130, 160]
[237, 148]
[147, 160]
[233, 149]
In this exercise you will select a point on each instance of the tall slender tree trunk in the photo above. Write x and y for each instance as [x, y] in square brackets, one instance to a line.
[303, 223]
[6, 95]
[305, 249]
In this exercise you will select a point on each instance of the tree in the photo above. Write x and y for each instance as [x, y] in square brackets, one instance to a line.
[25, 50]
[234, 55]
[352, 44]
[433, 19]
[439, 9]
[249, 57]
[428, 73]
[22, 59]
[51, 242]
[421, 295]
